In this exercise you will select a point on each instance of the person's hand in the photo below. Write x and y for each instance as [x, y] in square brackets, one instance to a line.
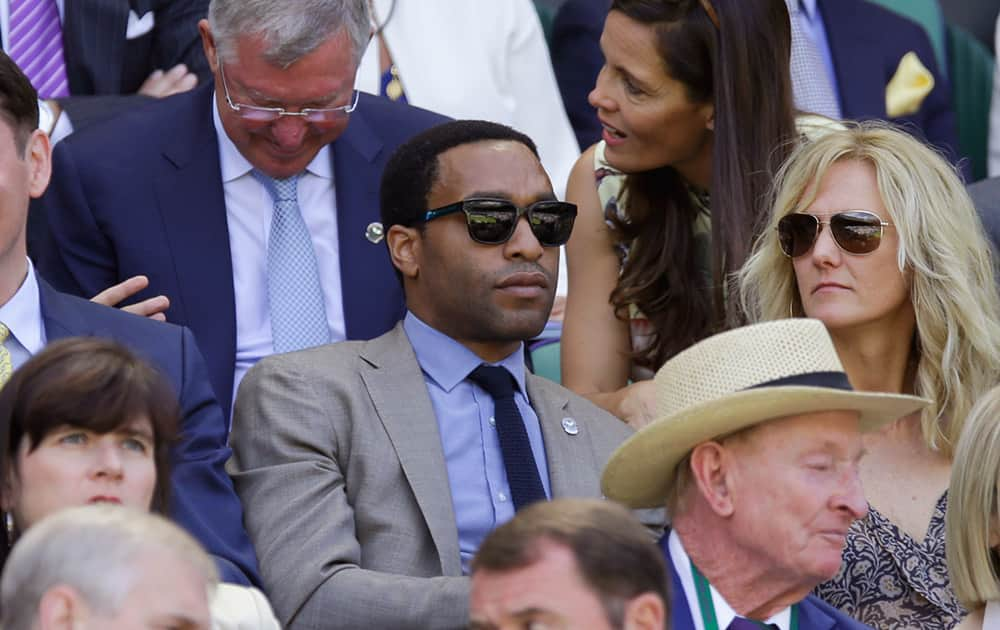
[639, 404]
[173, 81]
[152, 308]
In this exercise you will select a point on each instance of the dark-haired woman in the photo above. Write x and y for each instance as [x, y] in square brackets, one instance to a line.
[696, 104]
[86, 421]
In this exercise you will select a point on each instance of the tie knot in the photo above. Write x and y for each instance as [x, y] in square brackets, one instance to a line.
[280, 189]
[494, 379]
[793, 6]
[4, 333]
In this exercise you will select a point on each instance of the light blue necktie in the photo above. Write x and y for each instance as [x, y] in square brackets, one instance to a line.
[811, 83]
[295, 295]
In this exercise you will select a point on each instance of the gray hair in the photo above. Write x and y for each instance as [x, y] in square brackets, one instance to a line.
[291, 30]
[95, 551]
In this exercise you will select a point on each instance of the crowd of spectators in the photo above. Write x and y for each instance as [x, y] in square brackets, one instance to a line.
[270, 319]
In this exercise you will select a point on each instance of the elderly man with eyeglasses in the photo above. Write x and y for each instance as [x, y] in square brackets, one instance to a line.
[371, 471]
[249, 205]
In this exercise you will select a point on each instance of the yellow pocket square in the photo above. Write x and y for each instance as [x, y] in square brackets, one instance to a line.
[908, 87]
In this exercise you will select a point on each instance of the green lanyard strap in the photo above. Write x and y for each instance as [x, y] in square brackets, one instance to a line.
[707, 608]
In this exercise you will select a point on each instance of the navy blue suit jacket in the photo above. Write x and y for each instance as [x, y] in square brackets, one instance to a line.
[202, 497]
[814, 613]
[577, 59]
[143, 194]
[867, 41]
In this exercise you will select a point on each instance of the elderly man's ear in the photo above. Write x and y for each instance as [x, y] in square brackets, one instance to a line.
[645, 612]
[711, 466]
[61, 608]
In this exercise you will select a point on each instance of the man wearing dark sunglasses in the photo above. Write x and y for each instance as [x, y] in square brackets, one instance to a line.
[373, 470]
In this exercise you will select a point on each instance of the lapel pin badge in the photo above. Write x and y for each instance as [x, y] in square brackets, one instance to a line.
[374, 232]
[570, 426]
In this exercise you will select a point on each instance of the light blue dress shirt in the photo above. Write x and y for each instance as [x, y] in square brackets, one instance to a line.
[22, 314]
[811, 21]
[480, 494]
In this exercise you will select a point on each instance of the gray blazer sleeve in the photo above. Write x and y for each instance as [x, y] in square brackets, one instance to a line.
[294, 430]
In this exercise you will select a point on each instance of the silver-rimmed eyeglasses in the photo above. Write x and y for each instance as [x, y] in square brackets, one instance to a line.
[254, 113]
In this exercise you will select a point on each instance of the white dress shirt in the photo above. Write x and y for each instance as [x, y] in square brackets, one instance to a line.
[724, 613]
[22, 314]
[248, 215]
[478, 59]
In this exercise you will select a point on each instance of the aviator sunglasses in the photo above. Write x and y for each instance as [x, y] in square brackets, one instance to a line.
[854, 231]
[493, 221]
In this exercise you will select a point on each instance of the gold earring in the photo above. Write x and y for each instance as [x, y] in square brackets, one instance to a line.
[8, 519]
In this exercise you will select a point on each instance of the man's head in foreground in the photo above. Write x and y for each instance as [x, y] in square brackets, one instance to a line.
[569, 563]
[756, 457]
[105, 567]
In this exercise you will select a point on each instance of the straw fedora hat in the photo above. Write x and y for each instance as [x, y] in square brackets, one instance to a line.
[732, 381]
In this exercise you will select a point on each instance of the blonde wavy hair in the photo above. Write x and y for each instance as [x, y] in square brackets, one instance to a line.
[942, 250]
[973, 499]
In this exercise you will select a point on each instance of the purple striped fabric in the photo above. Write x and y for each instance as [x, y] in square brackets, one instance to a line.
[36, 45]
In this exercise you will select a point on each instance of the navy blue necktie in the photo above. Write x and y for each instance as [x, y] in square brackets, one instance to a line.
[518, 460]
[740, 623]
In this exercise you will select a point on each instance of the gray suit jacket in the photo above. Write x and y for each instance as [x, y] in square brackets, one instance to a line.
[986, 195]
[338, 461]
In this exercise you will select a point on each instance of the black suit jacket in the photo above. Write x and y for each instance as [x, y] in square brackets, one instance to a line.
[105, 68]
[577, 59]
[986, 195]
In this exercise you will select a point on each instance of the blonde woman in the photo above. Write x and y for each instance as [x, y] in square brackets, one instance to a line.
[872, 233]
[972, 524]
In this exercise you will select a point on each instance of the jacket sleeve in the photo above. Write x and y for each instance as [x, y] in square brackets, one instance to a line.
[203, 498]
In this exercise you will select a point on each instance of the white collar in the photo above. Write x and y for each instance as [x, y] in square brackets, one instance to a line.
[724, 613]
[22, 314]
[233, 165]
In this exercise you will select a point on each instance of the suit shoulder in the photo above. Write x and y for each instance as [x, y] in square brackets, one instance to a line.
[410, 118]
[583, 409]
[985, 194]
[841, 620]
[117, 324]
[139, 129]
[341, 357]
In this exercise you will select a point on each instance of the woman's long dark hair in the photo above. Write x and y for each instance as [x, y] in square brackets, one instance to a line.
[743, 66]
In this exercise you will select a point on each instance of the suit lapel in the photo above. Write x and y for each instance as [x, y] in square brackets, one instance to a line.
[860, 82]
[680, 610]
[94, 35]
[570, 457]
[192, 207]
[371, 293]
[812, 617]
[397, 389]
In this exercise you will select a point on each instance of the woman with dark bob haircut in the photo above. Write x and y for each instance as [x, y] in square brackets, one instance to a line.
[87, 421]
[84, 421]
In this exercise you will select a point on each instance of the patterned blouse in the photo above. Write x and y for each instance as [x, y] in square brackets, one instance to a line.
[890, 581]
